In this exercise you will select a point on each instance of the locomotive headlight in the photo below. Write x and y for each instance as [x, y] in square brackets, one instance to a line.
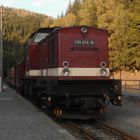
[103, 64]
[119, 97]
[103, 72]
[84, 30]
[66, 72]
[65, 64]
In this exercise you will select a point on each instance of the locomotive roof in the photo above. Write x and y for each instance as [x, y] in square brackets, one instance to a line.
[52, 29]
[72, 27]
[57, 29]
[43, 30]
[102, 29]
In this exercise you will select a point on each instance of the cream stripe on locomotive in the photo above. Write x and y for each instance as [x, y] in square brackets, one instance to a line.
[72, 72]
[33, 73]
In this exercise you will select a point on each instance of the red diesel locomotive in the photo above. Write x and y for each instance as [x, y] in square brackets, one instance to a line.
[68, 70]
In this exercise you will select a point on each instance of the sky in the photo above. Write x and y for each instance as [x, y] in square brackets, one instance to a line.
[49, 7]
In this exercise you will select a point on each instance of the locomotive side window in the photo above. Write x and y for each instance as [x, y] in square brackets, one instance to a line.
[40, 36]
[52, 52]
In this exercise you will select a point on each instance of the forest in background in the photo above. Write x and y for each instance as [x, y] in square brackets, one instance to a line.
[120, 17]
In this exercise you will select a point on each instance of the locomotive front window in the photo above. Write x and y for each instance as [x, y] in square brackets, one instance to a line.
[40, 36]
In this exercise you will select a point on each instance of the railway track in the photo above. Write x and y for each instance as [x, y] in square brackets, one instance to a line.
[85, 133]
[91, 130]
[116, 131]
[99, 131]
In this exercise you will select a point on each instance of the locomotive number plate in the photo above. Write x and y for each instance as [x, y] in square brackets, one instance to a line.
[84, 42]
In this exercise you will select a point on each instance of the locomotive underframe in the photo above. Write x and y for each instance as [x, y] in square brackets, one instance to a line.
[86, 97]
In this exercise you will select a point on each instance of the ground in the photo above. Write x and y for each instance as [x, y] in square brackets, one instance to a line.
[127, 75]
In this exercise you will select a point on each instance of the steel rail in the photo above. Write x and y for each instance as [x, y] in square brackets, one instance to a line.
[90, 135]
[116, 131]
[87, 134]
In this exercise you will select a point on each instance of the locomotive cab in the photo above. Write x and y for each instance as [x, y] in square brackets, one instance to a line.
[33, 51]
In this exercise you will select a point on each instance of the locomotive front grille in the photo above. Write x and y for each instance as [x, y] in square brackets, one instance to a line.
[90, 88]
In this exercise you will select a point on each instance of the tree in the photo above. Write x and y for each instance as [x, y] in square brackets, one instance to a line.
[74, 8]
[124, 39]
[17, 26]
[70, 20]
[88, 13]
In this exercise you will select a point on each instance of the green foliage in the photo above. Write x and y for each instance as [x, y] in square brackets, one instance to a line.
[124, 39]
[74, 8]
[67, 20]
[120, 17]
[17, 27]
[88, 13]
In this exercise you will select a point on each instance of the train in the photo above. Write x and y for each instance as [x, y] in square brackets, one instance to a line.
[67, 70]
